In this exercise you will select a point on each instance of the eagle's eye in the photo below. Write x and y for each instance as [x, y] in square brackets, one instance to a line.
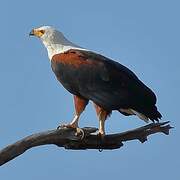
[42, 32]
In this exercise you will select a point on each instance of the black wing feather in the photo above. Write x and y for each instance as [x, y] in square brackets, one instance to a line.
[108, 84]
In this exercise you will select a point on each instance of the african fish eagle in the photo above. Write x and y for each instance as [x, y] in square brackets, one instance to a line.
[91, 76]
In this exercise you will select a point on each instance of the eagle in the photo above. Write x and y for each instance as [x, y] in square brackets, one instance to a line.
[90, 76]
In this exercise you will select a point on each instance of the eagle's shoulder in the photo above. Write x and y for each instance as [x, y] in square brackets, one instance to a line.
[71, 57]
[97, 63]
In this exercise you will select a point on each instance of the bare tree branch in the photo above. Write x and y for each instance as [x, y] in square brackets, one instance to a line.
[68, 138]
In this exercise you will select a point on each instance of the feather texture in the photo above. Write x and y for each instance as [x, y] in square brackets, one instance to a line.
[107, 83]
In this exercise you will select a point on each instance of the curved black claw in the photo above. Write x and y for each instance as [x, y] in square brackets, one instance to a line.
[80, 132]
[101, 140]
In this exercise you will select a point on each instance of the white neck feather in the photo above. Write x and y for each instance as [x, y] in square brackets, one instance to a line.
[59, 45]
[53, 49]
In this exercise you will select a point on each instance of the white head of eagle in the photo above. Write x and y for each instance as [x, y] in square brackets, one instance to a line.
[53, 40]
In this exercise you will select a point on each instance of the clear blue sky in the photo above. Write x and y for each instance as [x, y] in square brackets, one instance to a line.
[143, 35]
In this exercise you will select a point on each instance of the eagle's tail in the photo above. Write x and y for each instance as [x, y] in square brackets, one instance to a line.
[154, 114]
[151, 113]
[145, 114]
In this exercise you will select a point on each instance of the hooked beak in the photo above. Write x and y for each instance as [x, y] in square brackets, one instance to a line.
[31, 33]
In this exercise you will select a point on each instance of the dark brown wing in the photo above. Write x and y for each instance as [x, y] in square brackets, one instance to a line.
[105, 82]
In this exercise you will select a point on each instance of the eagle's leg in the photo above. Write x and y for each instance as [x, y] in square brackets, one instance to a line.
[80, 104]
[102, 115]
[101, 131]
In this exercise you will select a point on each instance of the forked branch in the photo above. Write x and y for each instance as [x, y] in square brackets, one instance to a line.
[69, 139]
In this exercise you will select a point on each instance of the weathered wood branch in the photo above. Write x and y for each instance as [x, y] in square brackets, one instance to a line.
[68, 138]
